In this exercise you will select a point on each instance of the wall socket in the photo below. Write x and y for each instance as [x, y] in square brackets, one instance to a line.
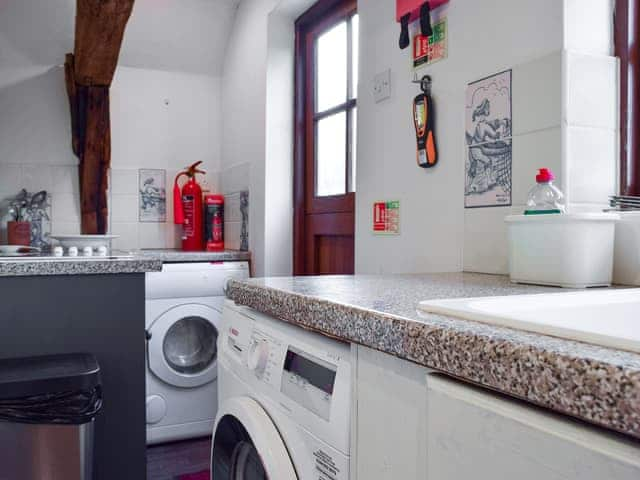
[382, 86]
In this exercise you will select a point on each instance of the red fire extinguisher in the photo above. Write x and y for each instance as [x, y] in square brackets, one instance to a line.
[188, 210]
[214, 222]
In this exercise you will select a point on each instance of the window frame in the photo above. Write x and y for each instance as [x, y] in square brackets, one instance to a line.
[627, 48]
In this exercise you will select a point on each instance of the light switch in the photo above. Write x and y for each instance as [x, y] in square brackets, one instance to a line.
[382, 86]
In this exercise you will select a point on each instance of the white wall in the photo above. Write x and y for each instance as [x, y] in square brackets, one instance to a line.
[555, 124]
[257, 139]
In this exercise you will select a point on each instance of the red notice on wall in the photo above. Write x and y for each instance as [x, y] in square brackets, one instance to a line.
[386, 218]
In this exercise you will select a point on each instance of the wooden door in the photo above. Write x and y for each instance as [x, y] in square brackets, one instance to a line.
[324, 173]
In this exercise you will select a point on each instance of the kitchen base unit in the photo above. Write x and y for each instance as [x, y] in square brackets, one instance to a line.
[413, 423]
[98, 314]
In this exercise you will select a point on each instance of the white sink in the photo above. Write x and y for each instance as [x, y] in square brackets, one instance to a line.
[609, 318]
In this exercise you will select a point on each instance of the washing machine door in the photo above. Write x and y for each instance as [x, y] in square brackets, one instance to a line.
[247, 445]
[182, 348]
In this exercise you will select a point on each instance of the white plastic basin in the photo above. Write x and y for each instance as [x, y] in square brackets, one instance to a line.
[609, 318]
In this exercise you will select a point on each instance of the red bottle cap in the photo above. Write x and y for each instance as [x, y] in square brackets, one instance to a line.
[545, 175]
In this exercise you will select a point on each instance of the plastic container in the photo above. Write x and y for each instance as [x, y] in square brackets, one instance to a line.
[47, 410]
[570, 250]
[626, 263]
[545, 197]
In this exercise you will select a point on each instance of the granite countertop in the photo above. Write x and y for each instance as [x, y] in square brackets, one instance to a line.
[45, 266]
[175, 256]
[596, 384]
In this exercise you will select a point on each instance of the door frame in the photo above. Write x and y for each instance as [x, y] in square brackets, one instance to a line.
[304, 78]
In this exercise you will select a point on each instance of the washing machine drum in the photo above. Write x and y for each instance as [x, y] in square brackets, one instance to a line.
[247, 445]
[182, 347]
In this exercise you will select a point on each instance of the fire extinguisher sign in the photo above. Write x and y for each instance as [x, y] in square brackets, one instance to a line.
[386, 218]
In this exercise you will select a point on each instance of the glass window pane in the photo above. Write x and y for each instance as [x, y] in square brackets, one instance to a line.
[331, 155]
[355, 26]
[354, 147]
[331, 67]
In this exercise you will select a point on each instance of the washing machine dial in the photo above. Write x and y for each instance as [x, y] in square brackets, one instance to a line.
[258, 356]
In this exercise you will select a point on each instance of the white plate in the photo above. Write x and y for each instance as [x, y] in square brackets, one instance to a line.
[18, 250]
[81, 241]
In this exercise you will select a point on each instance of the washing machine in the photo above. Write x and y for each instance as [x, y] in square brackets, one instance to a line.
[284, 401]
[183, 315]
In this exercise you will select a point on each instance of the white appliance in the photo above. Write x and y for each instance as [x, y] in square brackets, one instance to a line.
[183, 316]
[284, 401]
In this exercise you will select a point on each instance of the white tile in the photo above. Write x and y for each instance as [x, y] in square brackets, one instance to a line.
[591, 86]
[65, 207]
[485, 239]
[235, 179]
[65, 179]
[232, 232]
[124, 182]
[210, 182]
[10, 179]
[586, 207]
[591, 164]
[537, 94]
[232, 208]
[124, 208]
[585, 30]
[531, 152]
[151, 235]
[128, 236]
[37, 177]
[173, 235]
[65, 228]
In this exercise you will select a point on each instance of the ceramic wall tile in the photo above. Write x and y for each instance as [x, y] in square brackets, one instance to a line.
[37, 177]
[541, 80]
[65, 207]
[123, 182]
[591, 86]
[151, 235]
[235, 179]
[485, 239]
[10, 180]
[128, 235]
[531, 152]
[65, 179]
[591, 155]
[124, 208]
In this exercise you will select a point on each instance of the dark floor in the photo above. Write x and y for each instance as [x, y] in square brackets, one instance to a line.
[171, 460]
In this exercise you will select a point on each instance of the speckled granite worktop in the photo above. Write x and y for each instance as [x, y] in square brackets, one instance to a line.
[178, 256]
[599, 385]
[44, 266]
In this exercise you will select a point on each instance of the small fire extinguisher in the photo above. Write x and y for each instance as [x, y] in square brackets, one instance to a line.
[214, 222]
[188, 210]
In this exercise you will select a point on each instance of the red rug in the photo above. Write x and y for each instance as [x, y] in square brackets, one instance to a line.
[195, 476]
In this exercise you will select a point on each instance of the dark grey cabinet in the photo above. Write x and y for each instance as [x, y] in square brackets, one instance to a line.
[98, 314]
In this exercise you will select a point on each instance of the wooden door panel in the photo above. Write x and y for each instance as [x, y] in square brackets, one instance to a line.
[329, 245]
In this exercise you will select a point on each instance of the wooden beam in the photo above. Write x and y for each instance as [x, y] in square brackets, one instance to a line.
[100, 26]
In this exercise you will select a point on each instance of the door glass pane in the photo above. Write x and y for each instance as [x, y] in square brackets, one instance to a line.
[355, 26]
[331, 68]
[190, 345]
[331, 155]
[354, 147]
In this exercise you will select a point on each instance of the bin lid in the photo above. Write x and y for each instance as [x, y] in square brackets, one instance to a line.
[30, 376]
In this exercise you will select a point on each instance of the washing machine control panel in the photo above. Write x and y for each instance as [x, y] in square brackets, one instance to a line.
[264, 356]
[304, 374]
